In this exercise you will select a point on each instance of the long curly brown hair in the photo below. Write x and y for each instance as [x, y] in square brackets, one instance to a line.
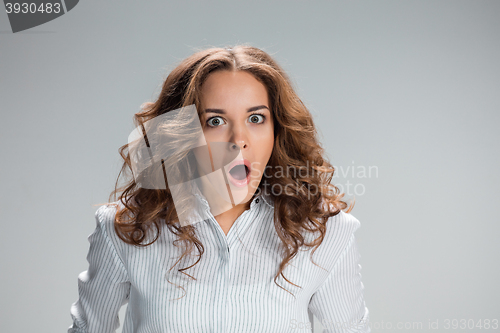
[311, 198]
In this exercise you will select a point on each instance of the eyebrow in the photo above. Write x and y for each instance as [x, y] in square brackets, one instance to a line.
[221, 111]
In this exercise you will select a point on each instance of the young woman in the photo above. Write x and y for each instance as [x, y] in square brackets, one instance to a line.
[269, 242]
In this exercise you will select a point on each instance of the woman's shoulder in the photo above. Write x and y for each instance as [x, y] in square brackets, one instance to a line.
[106, 213]
[342, 226]
[340, 230]
[105, 219]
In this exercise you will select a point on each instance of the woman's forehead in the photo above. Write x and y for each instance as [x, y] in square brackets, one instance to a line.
[233, 91]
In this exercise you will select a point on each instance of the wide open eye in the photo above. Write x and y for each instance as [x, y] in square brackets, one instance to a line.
[215, 121]
[257, 118]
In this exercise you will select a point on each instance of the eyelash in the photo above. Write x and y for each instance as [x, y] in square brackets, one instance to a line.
[253, 114]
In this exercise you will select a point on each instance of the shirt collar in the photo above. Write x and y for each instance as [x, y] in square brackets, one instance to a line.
[267, 198]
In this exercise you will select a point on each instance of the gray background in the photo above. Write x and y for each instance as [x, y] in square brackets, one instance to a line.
[410, 88]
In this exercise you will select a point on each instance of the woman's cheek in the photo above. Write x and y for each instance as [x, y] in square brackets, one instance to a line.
[264, 132]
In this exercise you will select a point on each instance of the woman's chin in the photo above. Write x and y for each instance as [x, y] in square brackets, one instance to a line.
[240, 194]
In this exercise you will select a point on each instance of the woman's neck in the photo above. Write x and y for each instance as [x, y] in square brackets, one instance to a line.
[227, 218]
[225, 213]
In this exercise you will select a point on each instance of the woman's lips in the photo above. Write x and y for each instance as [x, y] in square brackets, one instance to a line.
[240, 182]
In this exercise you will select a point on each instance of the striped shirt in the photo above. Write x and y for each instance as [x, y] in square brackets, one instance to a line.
[234, 290]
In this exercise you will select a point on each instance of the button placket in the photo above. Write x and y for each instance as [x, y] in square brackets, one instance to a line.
[226, 285]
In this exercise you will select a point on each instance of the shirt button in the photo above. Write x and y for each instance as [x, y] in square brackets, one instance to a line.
[257, 200]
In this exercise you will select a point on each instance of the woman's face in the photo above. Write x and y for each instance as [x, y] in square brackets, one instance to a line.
[235, 109]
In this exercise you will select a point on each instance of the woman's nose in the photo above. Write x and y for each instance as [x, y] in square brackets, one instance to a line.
[241, 144]
[239, 138]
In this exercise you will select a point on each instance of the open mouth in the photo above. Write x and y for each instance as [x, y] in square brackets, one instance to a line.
[239, 173]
